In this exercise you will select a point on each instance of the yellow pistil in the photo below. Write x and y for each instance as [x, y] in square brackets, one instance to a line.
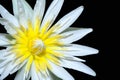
[31, 44]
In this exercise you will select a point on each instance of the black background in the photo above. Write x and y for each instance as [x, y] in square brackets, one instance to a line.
[93, 16]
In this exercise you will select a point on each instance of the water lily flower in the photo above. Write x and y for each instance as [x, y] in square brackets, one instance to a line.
[39, 49]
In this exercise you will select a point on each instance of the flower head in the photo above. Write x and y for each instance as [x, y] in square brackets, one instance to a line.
[39, 49]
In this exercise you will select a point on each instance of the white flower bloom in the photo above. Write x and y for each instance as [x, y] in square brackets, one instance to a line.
[36, 48]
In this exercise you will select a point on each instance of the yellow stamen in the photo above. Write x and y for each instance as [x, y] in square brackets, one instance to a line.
[31, 44]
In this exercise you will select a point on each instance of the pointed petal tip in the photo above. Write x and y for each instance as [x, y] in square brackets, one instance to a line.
[93, 74]
[90, 29]
[95, 51]
[81, 8]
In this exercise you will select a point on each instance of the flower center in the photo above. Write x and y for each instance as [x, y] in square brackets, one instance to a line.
[36, 47]
[28, 41]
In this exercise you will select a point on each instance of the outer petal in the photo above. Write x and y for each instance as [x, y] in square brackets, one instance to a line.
[60, 72]
[2, 70]
[27, 9]
[39, 10]
[68, 19]
[72, 58]
[78, 50]
[18, 67]
[4, 54]
[53, 77]
[42, 76]
[52, 13]
[6, 15]
[7, 70]
[34, 75]
[24, 12]
[10, 28]
[77, 66]
[6, 60]
[74, 35]
[15, 7]
[21, 74]
[4, 40]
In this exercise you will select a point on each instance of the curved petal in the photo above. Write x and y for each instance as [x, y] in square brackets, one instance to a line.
[74, 35]
[53, 77]
[28, 9]
[60, 72]
[5, 40]
[77, 66]
[72, 58]
[6, 15]
[39, 10]
[68, 19]
[78, 50]
[24, 12]
[20, 74]
[19, 66]
[10, 28]
[34, 75]
[43, 76]
[5, 54]
[2, 70]
[25, 7]
[2, 53]
[52, 13]
[7, 60]
[7, 70]
[15, 7]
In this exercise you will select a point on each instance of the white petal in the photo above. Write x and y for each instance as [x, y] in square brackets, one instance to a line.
[75, 35]
[42, 76]
[15, 7]
[4, 54]
[34, 75]
[4, 40]
[52, 12]
[18, 67]
[79, 50]
[6, 15]
[7, 70]
[7, 60]
[72, 58]
[68, 19]
[20, 74]
[39, 9]
[60, 72]
[53, 77]
[25, 12]
[2, 70]
[28, 9]
[10, 28]
[77, 66]
[21, 6]
[28, 78]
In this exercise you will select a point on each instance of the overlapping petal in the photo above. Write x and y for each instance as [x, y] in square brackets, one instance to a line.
[74, 35]
[68, 20]
[77, 66]
[52, 13]
[78, 50]
[5, 39]
[60, 72]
